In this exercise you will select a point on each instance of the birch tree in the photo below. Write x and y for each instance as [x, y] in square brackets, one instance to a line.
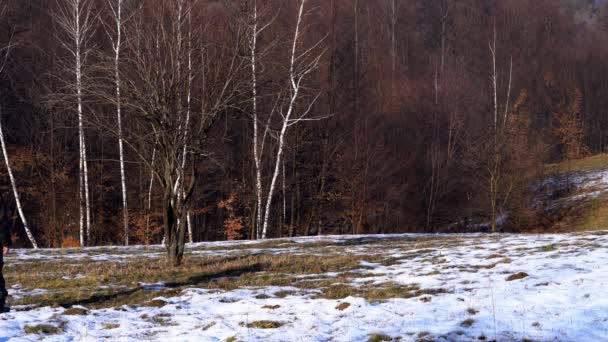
[301, 65]
[76, 19]
[256, 22]
[117, 40]
[254, 111]
[30, 236]
[188, 109]
[498, 132]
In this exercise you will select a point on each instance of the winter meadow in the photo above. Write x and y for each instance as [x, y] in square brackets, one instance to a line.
[304, 170]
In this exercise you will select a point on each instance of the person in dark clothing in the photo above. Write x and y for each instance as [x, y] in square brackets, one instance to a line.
[5, 242]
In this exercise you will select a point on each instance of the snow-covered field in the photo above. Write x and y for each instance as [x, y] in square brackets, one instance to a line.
[405, 287]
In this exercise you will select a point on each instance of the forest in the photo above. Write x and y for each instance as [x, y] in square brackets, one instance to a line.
[135, 122]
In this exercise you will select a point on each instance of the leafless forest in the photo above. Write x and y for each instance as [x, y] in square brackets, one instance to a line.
[130, 122]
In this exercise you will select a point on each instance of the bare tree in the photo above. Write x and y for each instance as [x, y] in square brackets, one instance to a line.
[299, 68]
[498, 134]
[188, 109]
[6, 50]
[254, 32]
[256, 21]
[157, 87]
[440, 157]
[117, 8]
[76, 19]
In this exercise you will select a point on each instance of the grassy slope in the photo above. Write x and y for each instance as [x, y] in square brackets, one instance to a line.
[592, 163]
[591, 214]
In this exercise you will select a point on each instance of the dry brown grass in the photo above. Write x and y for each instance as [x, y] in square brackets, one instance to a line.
[115, 283]
[118, 281]
[265, 325]
[517, 276]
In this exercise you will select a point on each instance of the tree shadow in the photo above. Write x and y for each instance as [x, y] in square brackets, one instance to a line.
[235, 271]
[202, 278]
[100, 297]
[361, 241]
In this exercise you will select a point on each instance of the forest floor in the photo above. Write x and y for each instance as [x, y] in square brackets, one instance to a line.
[502, 287]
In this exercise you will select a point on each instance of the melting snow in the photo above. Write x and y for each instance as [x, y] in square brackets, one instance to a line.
[564, 297]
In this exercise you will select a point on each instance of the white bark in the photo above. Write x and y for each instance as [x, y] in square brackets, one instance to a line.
[117, 43]
[11, 177]
[85, 172]
[256, 24]
[188, 107]
[295, 79]
[30, 236]
[74, 17]
[256, 153]
[189, 223]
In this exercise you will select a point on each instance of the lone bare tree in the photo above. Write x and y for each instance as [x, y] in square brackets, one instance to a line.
[158, 81]
[76, 19]
[499, 132]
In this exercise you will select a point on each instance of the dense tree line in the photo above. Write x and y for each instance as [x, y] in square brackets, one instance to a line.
[133, 121]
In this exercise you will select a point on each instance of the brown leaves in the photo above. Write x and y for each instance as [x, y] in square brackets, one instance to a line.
[233, 225]
[569, 129]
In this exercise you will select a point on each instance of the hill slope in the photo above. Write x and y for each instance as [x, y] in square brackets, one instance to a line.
[575, 197]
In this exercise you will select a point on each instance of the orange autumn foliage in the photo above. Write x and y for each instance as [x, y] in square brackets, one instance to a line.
[233, 225]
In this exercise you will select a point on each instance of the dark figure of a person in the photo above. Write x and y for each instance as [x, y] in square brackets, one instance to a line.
[5, 241]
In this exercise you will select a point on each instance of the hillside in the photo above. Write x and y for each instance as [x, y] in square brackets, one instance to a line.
[338, 288]
[575, 195]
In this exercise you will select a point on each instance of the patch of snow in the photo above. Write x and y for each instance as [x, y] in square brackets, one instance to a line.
[563, 298]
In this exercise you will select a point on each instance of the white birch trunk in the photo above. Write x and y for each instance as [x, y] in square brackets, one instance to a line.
[87, 198]
[80, 192]
[256, 152]
[295, 90]
[30, 236]
[81, 145]
[189, 223]
[123, 180]
[85, 231]
[74, 17]
[188, 106]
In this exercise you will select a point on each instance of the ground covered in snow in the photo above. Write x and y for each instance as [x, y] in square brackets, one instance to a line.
[364, 288]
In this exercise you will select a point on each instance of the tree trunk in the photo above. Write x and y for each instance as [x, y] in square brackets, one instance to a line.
[14, 187]
[149, 204]
[256, 152]
[295, 88]
[189, 223]
[175, 232]
[123, 181]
